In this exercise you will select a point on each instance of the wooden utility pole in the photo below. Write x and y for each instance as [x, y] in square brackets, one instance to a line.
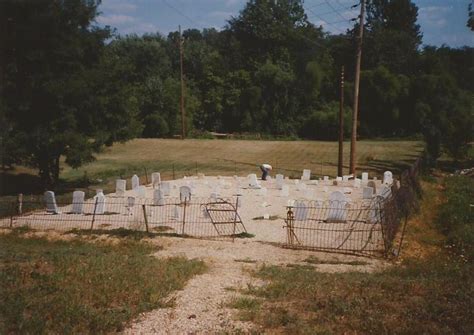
[341, 126]
[355, 109]
[181, 52]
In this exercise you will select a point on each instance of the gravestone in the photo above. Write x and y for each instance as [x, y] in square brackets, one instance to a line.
[387, 178]
[279, 181]
[135, 182]
[385, 191]
[176, 213]
[155, 179]
[77, 202]
[372, 184]
[325, 178]
[285, 191]
[338, 179]
[120, 187]
[365, 177]
[306, 174]
[345, 178]
[337, 207]
[130, 204]
[141, 192]
[50, 200]
[301, 187]
[185, 193]
[357, 183]
[367, 193]
[158, 197]
[301, 211]
[252, 179]
[99, 203]
[166, 188]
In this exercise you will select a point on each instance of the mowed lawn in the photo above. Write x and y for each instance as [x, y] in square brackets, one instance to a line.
[229, 157]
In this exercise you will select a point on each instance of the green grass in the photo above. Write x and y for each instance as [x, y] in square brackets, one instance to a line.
[430, 292]
[80, 287]
[315, 260]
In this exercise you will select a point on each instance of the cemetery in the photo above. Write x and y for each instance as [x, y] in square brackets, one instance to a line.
[342, 214]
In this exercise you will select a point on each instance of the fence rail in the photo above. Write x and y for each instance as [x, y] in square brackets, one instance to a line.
[198, 217]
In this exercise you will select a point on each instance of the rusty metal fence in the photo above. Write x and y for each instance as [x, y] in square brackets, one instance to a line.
[369, 227]
[196, 217]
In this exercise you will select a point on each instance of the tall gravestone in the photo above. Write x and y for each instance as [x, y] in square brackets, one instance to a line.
[135, 182]
[337, 207]
[77, 202]
[158, 197]
[99, 203]
[50, 200]
[120, 187]
[155, 179]
[306, 175]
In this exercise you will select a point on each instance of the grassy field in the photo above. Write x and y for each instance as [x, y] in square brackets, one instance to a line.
[67, 287]
[430, 292]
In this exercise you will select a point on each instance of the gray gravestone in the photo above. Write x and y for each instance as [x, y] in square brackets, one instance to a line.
[279, 180]
[301, 211]
[337, 207]
[135, 182]
[166, 188]
[155, 179]
[141, 192]
[158, 197]
[306, 175]
[185, 193]
[50, 200]
[77, 202]
[100, 203]
[367, 193]
[372, 184]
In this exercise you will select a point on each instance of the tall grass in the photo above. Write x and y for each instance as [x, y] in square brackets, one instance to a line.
[80, 287]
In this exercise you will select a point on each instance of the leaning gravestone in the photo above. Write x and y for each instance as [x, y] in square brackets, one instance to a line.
[385, 191]
[337, 207]
[158, 198]
[120, 187]
[135, 182]
[253, 183]
[99, 203]
[155, 179]
[166, 188]
[387, 178]
[371, 183]
[50, 200]
[306, 175]
[367, 193]
[279, 181]
[77, 202]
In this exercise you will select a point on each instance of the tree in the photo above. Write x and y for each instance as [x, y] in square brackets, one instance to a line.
[50, 53]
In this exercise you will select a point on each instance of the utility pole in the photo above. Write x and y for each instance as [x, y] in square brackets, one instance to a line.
[341, 126]
[355, 109]
[181, 52]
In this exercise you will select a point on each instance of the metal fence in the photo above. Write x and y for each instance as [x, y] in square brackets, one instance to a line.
[195, 217]
[371, 227]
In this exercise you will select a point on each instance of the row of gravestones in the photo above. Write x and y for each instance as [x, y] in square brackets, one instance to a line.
[337, 208]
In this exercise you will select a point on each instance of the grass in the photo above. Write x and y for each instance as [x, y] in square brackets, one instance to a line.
[429, 292]
[81, 287]
[315, 260]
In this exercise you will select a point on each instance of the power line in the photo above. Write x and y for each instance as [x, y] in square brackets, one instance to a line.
[319, 17]
[182, 14]
[334, 9]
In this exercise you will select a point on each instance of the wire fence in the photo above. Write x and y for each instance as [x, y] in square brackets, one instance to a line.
[370, 227]
[196, 217]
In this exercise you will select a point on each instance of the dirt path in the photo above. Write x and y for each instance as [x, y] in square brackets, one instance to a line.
[200, 308]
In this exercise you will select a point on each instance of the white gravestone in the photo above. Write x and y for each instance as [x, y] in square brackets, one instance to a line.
[166, 188]
[141, 192]
[50, 200]
[155, 179]
[337, 206]
[367, 193]
[130, 204]
[99, 203]
[120, 187]
[345, 178]
[385, 191]
[185, 193]
[135, 182]
[306, 175]
[158, 198]
[338, 179]
[387, 178]
[77, 202]
[279, 181]
[253, 183]
[357, 183]
[301, 211]
[365, 177]
[325, 178]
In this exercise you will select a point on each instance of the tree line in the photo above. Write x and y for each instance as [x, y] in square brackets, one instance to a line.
[70, 87]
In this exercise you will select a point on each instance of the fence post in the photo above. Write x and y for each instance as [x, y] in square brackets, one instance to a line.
[146, 175]
[93, 215]
[174, 178]
[196, 168]
[289, 224]
[235, 218]
[184, 215]
[145, 217]
[403, 235]
[19, 204]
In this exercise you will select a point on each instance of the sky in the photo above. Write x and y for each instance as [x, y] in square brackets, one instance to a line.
[441, 21]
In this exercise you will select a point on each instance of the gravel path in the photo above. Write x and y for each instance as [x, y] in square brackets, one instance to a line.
[200, 308]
